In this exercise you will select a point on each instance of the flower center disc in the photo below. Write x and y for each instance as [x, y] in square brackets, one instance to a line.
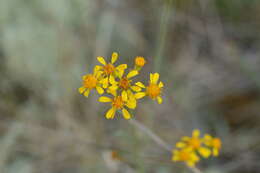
[90, 82]
[124, 83]
[109, 69]
[118, 102]
[153, 91]
[195, 143]
[184, 155]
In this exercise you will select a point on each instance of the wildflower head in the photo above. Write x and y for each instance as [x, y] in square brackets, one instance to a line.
[153, 90]
[91, 81]
[140, 61]
[189, 146]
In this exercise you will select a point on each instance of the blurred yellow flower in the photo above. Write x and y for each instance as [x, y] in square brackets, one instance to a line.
[108, 69]
[196, 146]
[195, 143]
[118, 102]
[91, 81]
[153, 90]
[186, 155]
[214, 143]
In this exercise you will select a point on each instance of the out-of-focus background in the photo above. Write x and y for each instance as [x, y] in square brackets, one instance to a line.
[207, 52]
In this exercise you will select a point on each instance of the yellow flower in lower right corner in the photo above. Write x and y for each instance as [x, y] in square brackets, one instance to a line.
[153, 90]
[190, 149]
[195, 143]
[186, 155]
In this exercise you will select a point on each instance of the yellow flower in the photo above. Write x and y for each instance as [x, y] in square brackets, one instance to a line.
[139, 62]
[118, 103]
[91, 81]
[215, 143]
[186, 155]
[108, 69]
[195, 143]
[153, 90]
[125, 85]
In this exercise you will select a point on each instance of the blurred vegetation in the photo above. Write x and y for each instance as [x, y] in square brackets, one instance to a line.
[206, 51]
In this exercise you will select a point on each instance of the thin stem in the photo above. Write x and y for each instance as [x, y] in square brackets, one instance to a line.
[158, 140]
[151, 134]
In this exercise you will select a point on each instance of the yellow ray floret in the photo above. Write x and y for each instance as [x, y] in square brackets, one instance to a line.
[153, 90]
[91, 81]
[118, 103]
[108, 69]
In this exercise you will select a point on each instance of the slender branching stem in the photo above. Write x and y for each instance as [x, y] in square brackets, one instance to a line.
[157, 139]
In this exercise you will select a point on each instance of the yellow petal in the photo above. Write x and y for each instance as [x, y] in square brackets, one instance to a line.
[114, 57]
[155, 78]
[136, 88]
[185, 138]
[99, 90]
[110, 113]
[126, 114]
[96, 69]
[124, 95]
[104, 99]
[132, 74]
[105, 82]
[160, 85]
[131, 103]
[151, 78]
[86, 93]
[140, 95]
[110, 91]
[113, 87]
[180, 145]
[194, 157]
[81, 90]
[207, 137]
[175, 158]
[205, 152]
[120, 73]
[215, 152]
[140, 84]
[190, 164]
[112, 79]
[196, 133]
[159, 100]
[101, 60]
[121, 67]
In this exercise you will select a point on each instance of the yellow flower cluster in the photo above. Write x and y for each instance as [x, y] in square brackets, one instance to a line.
[189, 149]
[114, 81]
